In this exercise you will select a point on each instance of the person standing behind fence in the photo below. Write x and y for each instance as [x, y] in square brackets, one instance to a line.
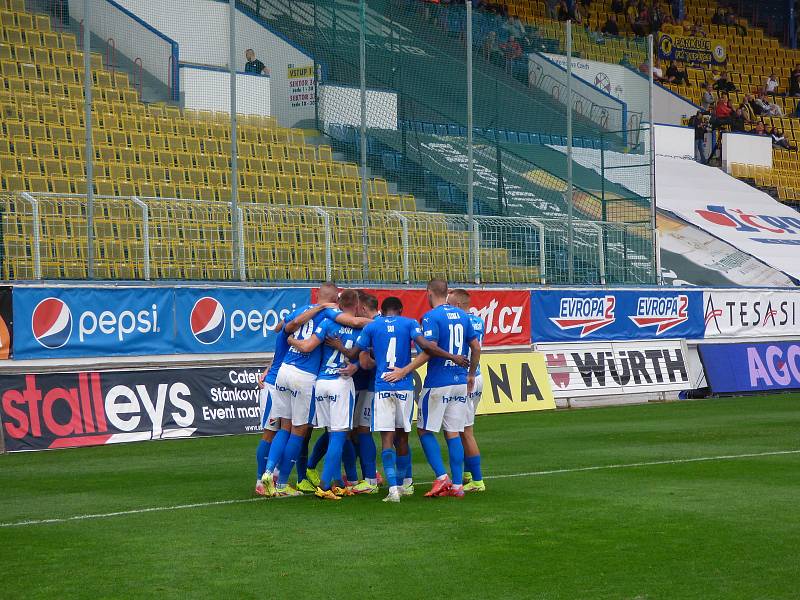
[253, 65]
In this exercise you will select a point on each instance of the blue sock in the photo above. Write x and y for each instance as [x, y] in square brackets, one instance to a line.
[430, 445]
[319, 450]
[456, 450]
[389, 460]
[276, 450]
[290, 456]
[261, 457]
[333, 459]
[409, 467]
[302, 461]
[349, 458]
[473, 465]
[403, 466]
[367, 453]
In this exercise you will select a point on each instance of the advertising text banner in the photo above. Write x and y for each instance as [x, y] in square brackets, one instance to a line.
[736, 368]
[80, 322]
[581, 315]
[751, 313]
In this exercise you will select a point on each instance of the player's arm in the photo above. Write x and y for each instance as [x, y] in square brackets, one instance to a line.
[432, 348]
[310, 344]
[336, 344]
[398, 373]
[365, 360]
[351, 321]
[305, 316]
[350, 369]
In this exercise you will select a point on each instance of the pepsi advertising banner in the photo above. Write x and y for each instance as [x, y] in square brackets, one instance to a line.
[232, 320]
[81, 322]
[736, 368]
[67, 410]
[605, 315]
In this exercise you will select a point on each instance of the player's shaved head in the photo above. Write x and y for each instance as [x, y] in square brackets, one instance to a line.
[459, 297]
[391, 306]
[328, 292]
[348, 300]
[438, 288]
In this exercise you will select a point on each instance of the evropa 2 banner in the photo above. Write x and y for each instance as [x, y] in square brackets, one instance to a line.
[579, 315]
[735, 368]
[63, 410]
[78, 322]
[232, 319]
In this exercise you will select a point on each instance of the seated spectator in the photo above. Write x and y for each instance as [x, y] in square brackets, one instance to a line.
[676, 73]
[723, 85]
[511, 50]
[611, 27]
[575, 14]
[563, 11]
[514, 28]
[253, 65]
[738, 121]
[707, 100]
[641, 25]
[771, 84]
[631, 12]
[491, 50]
[719, 17]
[617, 7]
[722, 113]
[748, 110]
[759, 129]
[794, 84]
[696, 30]
[656, 19]
[780, 141]
[770, 108]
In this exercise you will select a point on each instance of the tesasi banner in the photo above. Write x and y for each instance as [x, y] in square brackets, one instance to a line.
[506, 313]
[610, 368]
[232, 319]
[6, 322]
[734, 368]
[73, 322]
[579, 315]
[63, 410]
[752, 313]
[512, 382]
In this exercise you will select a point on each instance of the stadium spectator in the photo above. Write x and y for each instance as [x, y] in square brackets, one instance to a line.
[678, 10]
[514, 28]
[575, 14]
[656, 19]
[738, 120]
[749, 108]
[253, 65]
[719, 17]
[631, 12]
[511, 51]
[700, 123]
[696, 30]
[708, 98]
[794, 82]
[611, 28]
[771, 84]
[779, 140]
[641, 25]
[617, 7]
[763, 106]
[759, 129]
[722, 113]
[563, 12]
[552, 9]
[491, 51]
[723, 84]
[676, 73]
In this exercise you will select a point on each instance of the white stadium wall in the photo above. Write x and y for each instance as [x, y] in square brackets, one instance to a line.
[252, 91]
[342, 105]
[746, 148]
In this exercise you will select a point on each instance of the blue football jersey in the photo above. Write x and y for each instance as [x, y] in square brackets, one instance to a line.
[281, 346]
[332, 359]
[452, 330]
[390, 339]
[364, 380]
[477, 326]
[309, 362]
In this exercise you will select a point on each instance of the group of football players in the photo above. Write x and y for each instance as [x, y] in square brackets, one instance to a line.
[344, 366]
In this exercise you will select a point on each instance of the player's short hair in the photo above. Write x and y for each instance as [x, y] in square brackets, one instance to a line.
[391, 304]
[328, 292]
[460, 296]
[438, 287]
[369, 301]
[348, 299]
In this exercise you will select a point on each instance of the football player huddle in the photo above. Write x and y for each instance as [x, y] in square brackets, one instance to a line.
[344, 366]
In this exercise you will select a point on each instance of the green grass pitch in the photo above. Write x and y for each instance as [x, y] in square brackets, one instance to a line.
[719, 528]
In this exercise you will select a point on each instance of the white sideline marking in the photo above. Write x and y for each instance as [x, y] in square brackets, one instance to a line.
[138, 511]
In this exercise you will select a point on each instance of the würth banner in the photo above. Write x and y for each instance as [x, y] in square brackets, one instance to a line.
[506, 314]
[597, 369]
[63, 410]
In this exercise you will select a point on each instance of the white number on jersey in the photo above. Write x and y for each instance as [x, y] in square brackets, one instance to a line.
[391, 353]
[456, 338]
[305, 331]
[333, 361]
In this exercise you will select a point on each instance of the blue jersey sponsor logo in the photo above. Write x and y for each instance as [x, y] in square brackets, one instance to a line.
[451, 328]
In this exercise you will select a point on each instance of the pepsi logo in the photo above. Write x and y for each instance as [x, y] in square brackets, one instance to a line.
[52, 323]
[207, 320]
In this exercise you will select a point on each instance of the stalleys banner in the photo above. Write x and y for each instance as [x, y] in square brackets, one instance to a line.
[512, 382]
[505, 313]
[691, 49]
[63, 410]
[581, 315]
[610, 368]
[735, 368]
[6, 322]
[232, 319]
[752, 313]
[80, 321]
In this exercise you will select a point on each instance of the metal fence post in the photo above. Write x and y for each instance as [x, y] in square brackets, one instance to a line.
[473, 225]
[475, 260]
[145, 234]
[601, 254]
[37, 236]
[328, 255]
[653, 223]
[406, 265]
[570, 195]
[87, 109]
[362, 41]
[238, 248]
[542, 260]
